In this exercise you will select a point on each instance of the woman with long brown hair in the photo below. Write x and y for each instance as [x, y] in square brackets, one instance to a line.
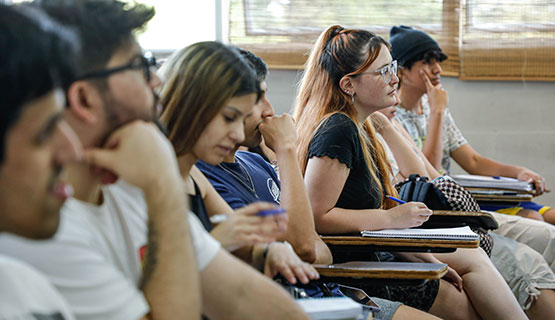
[348, 76]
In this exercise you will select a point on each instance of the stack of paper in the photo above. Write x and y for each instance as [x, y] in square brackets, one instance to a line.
[331, 308]
[461, 233]
[474, 181]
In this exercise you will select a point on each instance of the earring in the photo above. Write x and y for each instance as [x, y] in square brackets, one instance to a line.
[352, 96]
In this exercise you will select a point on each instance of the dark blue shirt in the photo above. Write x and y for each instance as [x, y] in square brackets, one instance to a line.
[235, 181]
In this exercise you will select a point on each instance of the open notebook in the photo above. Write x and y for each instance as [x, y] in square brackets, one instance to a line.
[461, 233]
[331, 308]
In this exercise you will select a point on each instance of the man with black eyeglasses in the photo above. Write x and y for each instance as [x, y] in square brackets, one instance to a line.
[95, 259]
[130, 249]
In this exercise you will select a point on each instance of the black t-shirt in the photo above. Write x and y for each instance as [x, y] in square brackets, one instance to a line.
[338, 139]
[199, 208]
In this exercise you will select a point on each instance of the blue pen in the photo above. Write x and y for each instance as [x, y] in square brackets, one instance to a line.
[396, 200]
[270, 212]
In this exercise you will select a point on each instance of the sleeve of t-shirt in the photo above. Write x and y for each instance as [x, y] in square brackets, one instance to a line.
[454, 135]
[224, 188]
[205, 245]
[27, 294]
[91, 284]
[336, 138]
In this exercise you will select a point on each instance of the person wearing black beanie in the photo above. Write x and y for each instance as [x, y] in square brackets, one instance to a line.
[423, 113]
[409, 45]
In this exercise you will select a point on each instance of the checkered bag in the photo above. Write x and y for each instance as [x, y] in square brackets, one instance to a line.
[461, 200]
[443, 193]
[458, 197]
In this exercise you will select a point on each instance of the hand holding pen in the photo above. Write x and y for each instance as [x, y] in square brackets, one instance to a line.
[408, 215]
[257, 222]
[396, 200]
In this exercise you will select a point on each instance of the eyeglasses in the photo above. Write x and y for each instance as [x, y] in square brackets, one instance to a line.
[144, 62]
[386, 72]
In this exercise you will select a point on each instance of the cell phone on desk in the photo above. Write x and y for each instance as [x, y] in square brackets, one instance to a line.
[359, 296]
[270, 212]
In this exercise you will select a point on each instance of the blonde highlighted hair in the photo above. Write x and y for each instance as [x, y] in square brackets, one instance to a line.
[198, 81]
[339, 52]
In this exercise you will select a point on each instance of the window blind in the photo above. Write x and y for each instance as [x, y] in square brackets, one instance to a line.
[491, 39]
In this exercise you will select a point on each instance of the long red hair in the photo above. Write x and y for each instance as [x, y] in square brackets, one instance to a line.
[336, 53]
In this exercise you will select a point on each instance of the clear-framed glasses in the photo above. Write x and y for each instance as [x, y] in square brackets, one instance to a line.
[386, 72]
[144, 62]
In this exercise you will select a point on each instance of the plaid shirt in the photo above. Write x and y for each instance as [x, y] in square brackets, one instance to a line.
[416, 126]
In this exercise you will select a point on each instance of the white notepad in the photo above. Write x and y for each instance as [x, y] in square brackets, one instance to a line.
[461, 233]
[476, 181]
[331, 308]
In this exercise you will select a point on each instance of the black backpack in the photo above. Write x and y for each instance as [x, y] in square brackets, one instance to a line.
[419, 189]
[443, 194]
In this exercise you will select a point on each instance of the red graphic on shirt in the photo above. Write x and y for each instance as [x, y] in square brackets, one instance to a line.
[142, 253]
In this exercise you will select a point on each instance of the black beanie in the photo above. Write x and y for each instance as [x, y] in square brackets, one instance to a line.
[407, 43]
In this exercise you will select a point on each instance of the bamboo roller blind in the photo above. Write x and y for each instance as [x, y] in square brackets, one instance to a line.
[490, 39]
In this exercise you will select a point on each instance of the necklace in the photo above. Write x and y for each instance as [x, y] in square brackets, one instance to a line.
[249, 184]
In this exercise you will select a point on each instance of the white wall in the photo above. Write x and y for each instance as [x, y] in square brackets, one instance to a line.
[511, 122]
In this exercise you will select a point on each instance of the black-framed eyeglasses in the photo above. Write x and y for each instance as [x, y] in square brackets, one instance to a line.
[144, 62]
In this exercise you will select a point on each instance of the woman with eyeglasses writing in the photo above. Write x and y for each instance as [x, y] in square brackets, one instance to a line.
[348, 76]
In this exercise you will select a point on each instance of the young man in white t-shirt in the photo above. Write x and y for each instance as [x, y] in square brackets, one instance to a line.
[126, 250]
[35, 144]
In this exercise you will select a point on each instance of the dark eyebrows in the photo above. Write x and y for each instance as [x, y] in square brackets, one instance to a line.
[235, 110]
[48, 128]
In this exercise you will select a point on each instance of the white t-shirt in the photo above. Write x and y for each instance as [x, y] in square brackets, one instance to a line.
[95, 258]
[25, 294]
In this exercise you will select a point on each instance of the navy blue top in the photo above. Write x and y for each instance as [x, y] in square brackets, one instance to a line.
[234, 184]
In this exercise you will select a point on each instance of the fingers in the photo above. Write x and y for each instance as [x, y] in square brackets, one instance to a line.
[101, 158]
[287, 273]
[254, 208]
[266, 228]
[454, 278]
[419, 208]
[540, 185]
[427, 82]
[293, 271]
[278, 131]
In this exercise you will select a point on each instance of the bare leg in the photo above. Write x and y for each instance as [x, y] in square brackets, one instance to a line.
[489, 293]
[408, 313]
[549, 216]
[530, 214]
[544, 307]
[450, 303]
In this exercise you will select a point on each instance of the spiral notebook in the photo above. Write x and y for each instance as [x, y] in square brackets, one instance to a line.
[331, 308]
[461, 233]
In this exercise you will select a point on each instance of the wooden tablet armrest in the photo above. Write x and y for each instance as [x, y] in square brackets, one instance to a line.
[350, 248]
[383, 270]
[391, 244]
[446, 219]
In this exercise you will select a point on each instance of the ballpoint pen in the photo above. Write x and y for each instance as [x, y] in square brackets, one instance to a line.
[396, 200]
